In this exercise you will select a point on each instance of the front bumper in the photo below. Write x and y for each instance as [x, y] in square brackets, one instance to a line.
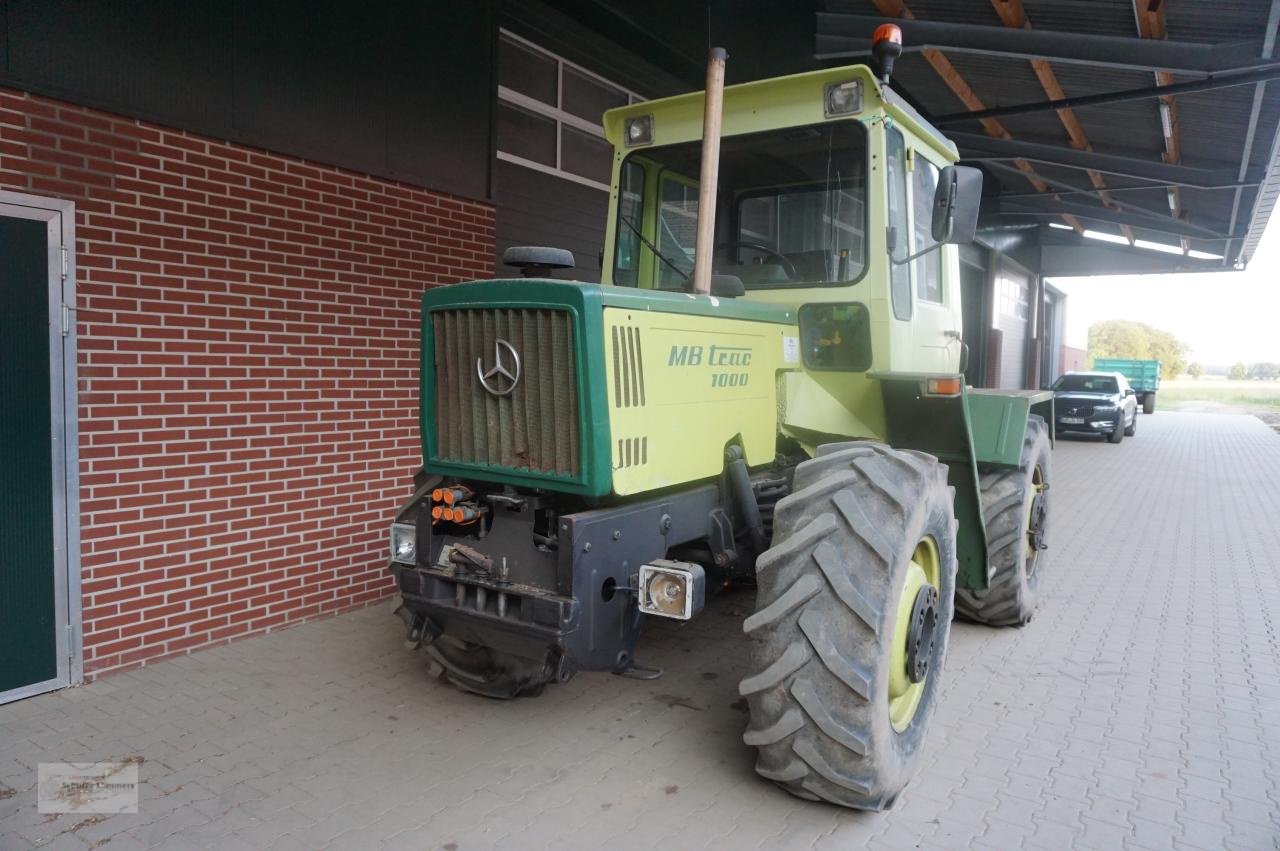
[569, 601]
[1097, 423]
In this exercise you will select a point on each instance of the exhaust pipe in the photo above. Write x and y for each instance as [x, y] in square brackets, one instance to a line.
[712, 113]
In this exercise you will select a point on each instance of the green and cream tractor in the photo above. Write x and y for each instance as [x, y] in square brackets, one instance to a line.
[765, 389]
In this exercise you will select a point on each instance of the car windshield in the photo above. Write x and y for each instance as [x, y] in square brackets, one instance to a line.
[791, 209]
[1086, 384]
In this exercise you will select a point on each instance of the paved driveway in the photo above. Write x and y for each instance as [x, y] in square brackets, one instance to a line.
[1140, 709]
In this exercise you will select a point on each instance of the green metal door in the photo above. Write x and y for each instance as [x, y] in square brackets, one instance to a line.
[29, 610]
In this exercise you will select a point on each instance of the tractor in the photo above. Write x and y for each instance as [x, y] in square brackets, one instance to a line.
[765, 389]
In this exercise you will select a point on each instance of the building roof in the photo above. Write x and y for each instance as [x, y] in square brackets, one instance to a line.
[1178, 181]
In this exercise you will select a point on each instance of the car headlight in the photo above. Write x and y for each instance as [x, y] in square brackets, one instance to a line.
[404, 543]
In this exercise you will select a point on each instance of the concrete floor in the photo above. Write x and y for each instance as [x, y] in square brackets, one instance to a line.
[1140, 709]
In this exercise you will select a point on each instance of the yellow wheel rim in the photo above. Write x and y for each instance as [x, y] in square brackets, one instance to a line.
[904, 695]
[1037, 488]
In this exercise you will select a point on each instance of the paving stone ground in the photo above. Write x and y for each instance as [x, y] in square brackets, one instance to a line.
[1140, 709]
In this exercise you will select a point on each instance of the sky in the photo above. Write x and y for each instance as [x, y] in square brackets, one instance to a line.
[1224, 316]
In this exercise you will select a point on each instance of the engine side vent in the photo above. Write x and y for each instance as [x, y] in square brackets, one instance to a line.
[628, 368]
[632, 452]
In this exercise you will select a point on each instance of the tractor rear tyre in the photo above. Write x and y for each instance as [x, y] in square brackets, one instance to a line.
[854, 607]
[1149, 403]
[486, 671]
[1016, 513]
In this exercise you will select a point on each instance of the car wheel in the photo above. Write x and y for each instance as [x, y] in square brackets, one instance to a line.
[1117, 435]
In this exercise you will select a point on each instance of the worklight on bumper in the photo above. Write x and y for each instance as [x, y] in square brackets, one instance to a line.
[404, 549]
[672, 589]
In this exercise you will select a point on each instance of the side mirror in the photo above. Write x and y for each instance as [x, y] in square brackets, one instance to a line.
[955, 204]
[1128, 391]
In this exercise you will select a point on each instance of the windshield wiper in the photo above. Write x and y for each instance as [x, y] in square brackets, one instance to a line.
[649, 245]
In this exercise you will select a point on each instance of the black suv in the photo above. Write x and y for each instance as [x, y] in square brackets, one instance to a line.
[1095, 403]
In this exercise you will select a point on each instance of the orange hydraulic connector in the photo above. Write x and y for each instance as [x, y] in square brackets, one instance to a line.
[449, 496]
[465, 514]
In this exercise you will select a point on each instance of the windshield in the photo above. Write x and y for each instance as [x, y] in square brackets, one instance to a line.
[791, 210]
[1086, 384]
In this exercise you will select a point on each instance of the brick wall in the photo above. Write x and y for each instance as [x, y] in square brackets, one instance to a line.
[248, 341]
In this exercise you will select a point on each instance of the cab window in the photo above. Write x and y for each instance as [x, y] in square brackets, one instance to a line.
[927, 269]
[790, 210]
[899, 242]
[677, 232]
[630, 209]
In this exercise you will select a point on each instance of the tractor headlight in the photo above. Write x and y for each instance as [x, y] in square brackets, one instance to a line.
[404, 543]
[638, 131]
[672, 589]
[842, 98]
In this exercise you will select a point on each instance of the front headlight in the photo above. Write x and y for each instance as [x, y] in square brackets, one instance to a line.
[404, 549]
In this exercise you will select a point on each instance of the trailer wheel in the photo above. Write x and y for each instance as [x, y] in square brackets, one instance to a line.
[1148, 403]
[1016, 513]
[854, 607]
[484, 670]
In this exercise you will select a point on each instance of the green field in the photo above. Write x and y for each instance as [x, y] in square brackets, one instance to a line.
[1208, 394]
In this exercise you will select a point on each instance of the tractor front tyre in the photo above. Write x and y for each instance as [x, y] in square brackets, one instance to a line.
[1149, 403]
[486, 671]
[1016, 514]
[853, 613]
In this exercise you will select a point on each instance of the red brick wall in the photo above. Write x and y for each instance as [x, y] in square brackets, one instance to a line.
[1073, 359]
[248, 343]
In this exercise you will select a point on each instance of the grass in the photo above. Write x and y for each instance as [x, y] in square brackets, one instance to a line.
[1209, 394]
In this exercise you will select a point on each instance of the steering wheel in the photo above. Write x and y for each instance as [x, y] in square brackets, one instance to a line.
[787, 265]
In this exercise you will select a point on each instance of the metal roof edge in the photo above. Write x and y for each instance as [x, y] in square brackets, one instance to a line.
[1263, 204]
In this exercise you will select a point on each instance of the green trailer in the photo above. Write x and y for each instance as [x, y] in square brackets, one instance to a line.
[1143, 377]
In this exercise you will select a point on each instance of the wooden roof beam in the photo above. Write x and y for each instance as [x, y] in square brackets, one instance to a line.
[1149, 15]
[1013, 15]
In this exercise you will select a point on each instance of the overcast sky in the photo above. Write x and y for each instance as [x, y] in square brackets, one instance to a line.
[1224, 316]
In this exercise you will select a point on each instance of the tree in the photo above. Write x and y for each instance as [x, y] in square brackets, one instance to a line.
[1121, 338]
[1239, 372]
[1265, 371]
[1195, 370]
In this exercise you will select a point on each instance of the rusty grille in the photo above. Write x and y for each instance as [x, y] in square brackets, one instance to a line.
[536, 426]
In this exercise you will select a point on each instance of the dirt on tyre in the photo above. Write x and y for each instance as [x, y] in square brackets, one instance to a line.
[1015, 506]
[487, 671]
[854, 608]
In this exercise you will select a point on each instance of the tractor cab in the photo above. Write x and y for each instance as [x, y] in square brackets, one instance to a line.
[830, 191]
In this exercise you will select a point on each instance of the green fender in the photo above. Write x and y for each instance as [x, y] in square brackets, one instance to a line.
[970, 430]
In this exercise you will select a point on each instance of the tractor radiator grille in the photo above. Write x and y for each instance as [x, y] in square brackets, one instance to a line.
[533, 427]
[628, 368]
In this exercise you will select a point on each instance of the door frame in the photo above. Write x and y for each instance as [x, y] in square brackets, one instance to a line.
[59, 217]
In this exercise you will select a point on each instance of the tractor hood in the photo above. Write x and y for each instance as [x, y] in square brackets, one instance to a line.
[514, 376]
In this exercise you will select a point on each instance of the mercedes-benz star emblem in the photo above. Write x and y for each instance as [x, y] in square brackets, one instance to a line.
[498, 379]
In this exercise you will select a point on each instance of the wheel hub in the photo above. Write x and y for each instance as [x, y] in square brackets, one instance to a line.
[921, 633]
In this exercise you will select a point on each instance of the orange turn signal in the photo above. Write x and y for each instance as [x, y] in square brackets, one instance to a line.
[942, 387]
